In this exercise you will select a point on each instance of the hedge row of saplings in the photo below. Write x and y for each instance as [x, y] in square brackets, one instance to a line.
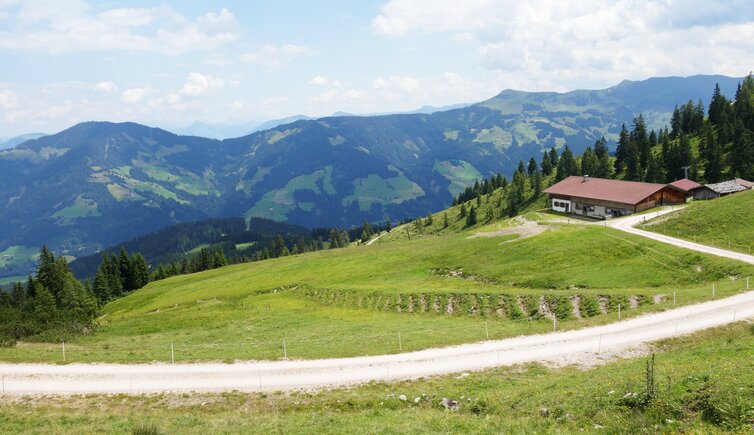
[513, 307]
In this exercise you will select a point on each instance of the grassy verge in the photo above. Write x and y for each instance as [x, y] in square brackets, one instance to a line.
[696, 386]
[724, 223]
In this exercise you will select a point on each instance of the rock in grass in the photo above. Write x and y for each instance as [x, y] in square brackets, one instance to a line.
[403, 397]
[544, 412]
[450, 404]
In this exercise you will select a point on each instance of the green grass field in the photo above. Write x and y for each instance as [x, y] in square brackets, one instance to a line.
[355, 301]
[699, 388]
[724, 222]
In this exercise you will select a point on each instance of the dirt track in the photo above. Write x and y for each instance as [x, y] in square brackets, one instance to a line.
[584, 346]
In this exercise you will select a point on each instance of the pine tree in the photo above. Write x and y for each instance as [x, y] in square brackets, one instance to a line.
[713, 169]
[125, 270]
[388, 225]
[620, 152]
[654, 170]
[18, 295]
[45, 308]
[335, 239]
[445, 222]
[101, 286]
[588, 162]
[546, 164]
[462, 212]
[633, 163]
[604, 168]
[537, 189]
[553, 158]
[566, 165]
[429, 219]
[716, 105]
[471, 217]
[532, 168]
[639, 136]
[676, 123]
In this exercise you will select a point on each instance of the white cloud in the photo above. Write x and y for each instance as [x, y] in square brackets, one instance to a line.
[559, 45]
[8, 99]
[318, 81]
[198, 84]
[276, 56]
[397, 83]
[106, 87]
[59, 26]
[135, 95]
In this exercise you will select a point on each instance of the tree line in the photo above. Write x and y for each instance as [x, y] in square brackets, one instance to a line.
[50, 306]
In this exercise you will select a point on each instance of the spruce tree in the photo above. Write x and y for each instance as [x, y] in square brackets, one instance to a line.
[620, 152]
[713, 168]
[445, 222]
[633, 163]
[546, 164]
[101, 286]
[588, 162]
[604, 168]
[532, 168]
[471, 219]
[566, 165]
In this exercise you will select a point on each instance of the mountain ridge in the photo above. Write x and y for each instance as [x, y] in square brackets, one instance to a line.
[97, 184]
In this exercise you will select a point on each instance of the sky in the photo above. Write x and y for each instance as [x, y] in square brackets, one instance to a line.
[172, 63]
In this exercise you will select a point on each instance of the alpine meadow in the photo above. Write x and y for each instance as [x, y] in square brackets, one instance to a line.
[396, 216]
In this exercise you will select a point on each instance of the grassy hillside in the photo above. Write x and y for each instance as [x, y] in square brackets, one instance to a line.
[699, 389]
[724, 222]
[435, 291]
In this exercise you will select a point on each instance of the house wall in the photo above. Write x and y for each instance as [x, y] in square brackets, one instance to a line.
[561, 205]
[705, 193]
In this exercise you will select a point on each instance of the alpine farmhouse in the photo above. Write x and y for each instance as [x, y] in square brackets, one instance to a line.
[606, 198]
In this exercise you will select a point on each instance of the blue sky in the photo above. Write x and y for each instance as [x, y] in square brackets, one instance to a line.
[170, 64]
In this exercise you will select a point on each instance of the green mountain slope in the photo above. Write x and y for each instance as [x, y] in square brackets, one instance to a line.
[99, 184]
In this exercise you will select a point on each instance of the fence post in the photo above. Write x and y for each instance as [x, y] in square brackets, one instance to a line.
[486, 330]
[285, 350]
[63, 343]
[554, 323]
[673, 297]
[400, 342]
[172, 354]
[713, 291]
[618, 311]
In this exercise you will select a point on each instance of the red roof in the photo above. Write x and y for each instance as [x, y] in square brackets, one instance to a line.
[685, 185]
[625, 192]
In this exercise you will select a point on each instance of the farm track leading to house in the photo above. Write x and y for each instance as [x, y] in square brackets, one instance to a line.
[585, 346]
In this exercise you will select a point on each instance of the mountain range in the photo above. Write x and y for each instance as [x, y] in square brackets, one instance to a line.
[98, 184]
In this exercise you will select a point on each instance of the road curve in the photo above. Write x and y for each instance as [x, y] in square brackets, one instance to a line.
[588, 344]
[627, 224]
